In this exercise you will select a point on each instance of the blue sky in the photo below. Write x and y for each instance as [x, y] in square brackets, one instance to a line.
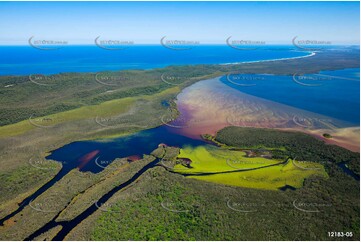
[207, 22]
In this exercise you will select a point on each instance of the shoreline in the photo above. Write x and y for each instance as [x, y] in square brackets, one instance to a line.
[313, 53]
[200, 124]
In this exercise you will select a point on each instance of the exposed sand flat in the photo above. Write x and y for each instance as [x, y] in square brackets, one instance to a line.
[348, 138]
[210, 105]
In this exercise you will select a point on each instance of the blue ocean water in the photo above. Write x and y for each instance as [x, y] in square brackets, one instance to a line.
[26, 60]
[332, 93]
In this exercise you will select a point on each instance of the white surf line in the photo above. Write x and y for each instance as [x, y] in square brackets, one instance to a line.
[279, 59]
[337, 77]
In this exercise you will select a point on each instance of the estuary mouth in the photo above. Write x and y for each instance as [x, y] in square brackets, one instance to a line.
[179, 121]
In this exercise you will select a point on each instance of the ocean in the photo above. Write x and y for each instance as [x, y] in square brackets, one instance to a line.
[26, 60]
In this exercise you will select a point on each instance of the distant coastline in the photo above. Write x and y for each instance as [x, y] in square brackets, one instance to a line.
[278, 59]
[27, 60]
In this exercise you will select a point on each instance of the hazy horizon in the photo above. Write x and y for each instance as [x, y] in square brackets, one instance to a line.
[206, 22]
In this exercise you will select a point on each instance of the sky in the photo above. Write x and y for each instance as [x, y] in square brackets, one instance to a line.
[206, 22]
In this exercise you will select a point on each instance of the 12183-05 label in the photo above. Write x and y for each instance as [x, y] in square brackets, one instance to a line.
[340, 234]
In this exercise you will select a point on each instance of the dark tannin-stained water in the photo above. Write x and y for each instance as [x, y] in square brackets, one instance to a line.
[95, 155]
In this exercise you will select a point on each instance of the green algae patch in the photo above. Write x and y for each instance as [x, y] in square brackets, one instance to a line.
[214, 159]
[240, 168]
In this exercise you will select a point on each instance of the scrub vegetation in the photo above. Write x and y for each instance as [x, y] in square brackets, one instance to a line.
[163, 205]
